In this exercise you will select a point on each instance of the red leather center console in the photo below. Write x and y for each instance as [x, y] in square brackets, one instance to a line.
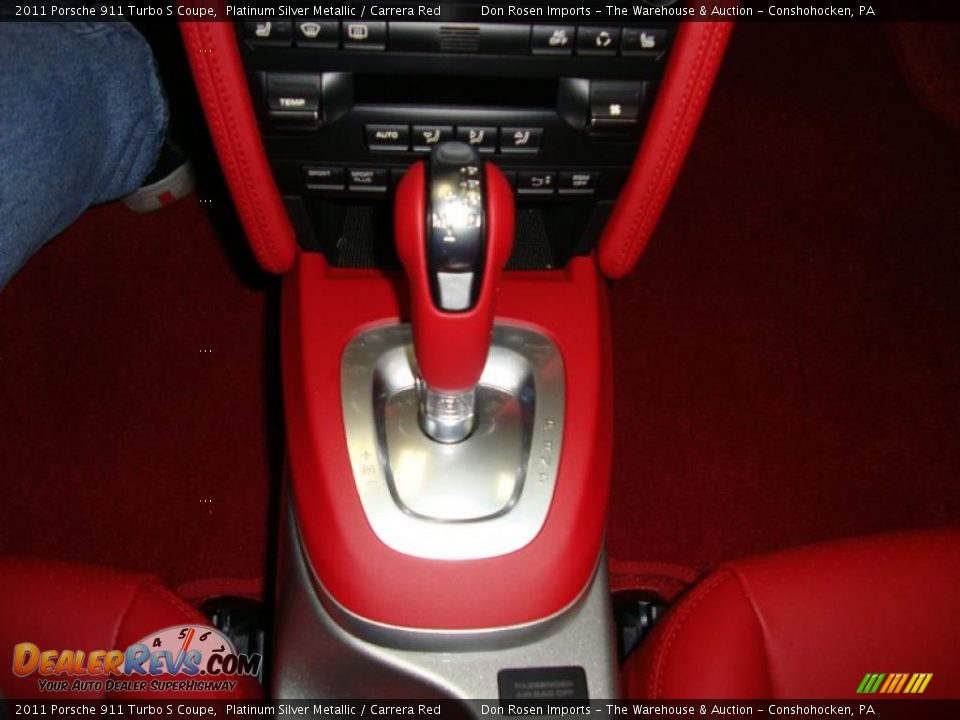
[323, 308]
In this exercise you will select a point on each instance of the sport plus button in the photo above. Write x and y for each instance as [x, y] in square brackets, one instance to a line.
[388, 137]
[368, 179]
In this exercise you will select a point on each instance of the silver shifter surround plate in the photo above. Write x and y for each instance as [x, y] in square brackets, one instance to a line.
[486, 496]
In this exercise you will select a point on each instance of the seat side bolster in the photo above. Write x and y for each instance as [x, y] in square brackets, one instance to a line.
[710, 645]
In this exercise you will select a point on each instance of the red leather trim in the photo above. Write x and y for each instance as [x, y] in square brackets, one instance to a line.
[222, 86]
[322, 309]
[697, 632]
[665, 580]
[693, 64]
[809, 623]
[61, 606]
[451, 348]
[923, 50]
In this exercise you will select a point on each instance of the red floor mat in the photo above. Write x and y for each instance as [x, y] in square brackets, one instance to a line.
[787, 351]
[132, 386]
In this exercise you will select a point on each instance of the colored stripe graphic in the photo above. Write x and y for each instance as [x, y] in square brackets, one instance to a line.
[894, 683]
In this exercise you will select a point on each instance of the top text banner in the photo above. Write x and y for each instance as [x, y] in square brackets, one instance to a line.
[539, 11]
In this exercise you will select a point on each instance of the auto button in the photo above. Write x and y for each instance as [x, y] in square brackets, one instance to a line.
[388, 137]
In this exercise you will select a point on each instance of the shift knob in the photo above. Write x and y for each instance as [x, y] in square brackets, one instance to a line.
[454, 225]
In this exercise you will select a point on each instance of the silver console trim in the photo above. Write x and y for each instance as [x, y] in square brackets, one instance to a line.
[317, 656]
[377, 366]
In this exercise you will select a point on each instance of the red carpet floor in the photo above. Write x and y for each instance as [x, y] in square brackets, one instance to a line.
[787, 351]
[132, 388]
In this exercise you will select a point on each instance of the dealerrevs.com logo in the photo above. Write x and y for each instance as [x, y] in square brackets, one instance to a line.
[176, 659]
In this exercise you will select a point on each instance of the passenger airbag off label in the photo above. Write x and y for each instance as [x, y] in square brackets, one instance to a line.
[547, 683]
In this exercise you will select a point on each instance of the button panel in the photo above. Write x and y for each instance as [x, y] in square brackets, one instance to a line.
[461, 38]
[537, 183]
[558, 107]
[397, 138]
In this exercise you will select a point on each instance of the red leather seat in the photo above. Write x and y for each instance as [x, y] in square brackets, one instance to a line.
[59, 606]
[811, 623]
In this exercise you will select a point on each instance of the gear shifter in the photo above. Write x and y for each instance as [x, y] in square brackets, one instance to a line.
[454, 231]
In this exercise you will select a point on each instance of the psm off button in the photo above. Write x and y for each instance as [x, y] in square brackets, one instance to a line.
[578, 182]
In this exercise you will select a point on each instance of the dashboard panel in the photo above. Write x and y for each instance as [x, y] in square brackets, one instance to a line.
[345, 107]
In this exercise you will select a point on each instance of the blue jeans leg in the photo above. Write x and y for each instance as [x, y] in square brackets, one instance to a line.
[82, 120]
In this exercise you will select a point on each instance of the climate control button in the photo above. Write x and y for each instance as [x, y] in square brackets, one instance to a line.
[388, 137]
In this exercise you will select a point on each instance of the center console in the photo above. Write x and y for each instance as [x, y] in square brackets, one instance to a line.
[448, 424]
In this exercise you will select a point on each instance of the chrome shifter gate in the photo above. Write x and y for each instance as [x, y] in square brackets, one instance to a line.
[485, 496]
